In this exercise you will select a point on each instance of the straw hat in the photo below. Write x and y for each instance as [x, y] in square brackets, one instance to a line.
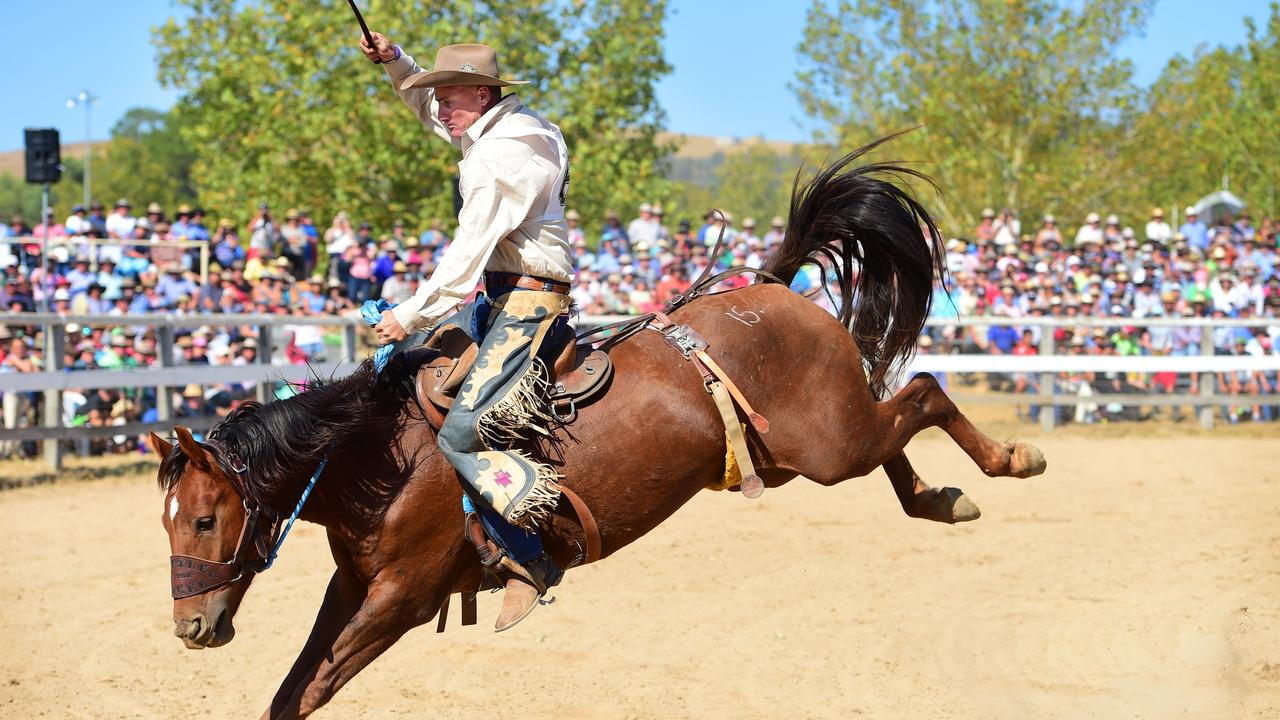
[192, 391]
[465, 64]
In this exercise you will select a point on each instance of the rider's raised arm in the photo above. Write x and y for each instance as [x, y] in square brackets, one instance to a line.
[497, 202]
[422, 101]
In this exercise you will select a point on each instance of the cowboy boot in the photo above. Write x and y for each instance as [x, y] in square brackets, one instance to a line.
[525, 585]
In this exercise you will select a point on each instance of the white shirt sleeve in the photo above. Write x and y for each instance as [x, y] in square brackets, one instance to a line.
[496, 201]
[422, 101]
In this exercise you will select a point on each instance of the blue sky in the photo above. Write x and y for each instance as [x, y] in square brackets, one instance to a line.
[732, 61]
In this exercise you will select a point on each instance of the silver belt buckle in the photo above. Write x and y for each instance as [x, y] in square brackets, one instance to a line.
[685, 339]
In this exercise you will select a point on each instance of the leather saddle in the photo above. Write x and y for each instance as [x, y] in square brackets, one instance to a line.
[580, 374]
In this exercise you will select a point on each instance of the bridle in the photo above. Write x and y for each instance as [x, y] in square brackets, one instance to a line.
[261, 532]
[190, 575]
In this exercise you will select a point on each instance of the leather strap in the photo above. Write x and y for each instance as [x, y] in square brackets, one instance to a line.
[752, 486]
[468, 608]
[525, 282]
[758, 421]
[588, 522]
[443, 617]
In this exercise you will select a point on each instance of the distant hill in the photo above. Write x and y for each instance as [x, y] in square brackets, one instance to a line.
[695, 156]
[13, 163]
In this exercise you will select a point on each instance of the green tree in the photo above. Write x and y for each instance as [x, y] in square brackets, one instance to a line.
[1022, 103]
[1213, 116]
[280, 105]
[755, 182]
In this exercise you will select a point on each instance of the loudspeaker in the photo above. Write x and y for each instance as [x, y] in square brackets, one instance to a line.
[44, 155]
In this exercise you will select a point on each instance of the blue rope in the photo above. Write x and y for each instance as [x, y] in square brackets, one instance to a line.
[271, 558]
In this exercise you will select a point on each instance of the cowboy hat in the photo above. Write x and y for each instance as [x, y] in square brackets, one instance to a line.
[465, 64]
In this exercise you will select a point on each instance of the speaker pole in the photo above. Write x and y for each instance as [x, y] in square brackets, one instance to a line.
[44, 251]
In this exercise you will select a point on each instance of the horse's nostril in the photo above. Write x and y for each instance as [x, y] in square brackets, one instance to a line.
[190, 629]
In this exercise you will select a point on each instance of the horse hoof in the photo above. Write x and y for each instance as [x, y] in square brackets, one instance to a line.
[962, 508]
[1027, 461]
[948, 505]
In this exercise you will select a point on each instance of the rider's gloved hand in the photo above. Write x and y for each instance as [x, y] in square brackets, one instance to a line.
[383, 50]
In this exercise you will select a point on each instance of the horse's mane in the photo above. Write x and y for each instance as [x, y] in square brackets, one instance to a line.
[279, 440]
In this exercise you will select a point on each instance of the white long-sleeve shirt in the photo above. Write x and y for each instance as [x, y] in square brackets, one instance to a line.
[514, 181]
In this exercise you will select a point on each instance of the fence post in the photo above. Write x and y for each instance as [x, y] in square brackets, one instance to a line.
[204, 263]
[1049, 411]
[264, 357]
[164, 358]
[349, 342]
[54, 339]
[1207, 379]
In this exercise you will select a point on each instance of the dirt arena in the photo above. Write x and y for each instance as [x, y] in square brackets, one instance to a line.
[1138, 578]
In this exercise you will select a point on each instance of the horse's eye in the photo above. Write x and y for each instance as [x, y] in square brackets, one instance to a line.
[204, 524]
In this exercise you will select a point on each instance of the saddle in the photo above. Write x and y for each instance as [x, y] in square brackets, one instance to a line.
[579, 375]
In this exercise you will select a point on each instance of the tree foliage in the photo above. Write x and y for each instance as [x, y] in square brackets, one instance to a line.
[1022, 103]
[280, 106]
[1214, 116]
[147, 161]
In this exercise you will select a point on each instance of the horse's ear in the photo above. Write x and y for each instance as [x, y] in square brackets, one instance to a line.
[190, 447]
[160, 445]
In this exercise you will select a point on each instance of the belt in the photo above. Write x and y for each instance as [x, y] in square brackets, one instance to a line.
[495, 280]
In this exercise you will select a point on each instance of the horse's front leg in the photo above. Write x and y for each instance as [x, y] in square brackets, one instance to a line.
[388, 610]
[341, 600]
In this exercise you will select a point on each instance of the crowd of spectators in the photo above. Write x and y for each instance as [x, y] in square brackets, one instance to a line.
[1226, 268]
[119, 264]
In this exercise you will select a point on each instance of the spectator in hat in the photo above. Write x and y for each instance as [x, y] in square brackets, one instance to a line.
[121, 224]
[434, 240]
[77, 222]
[293, 241]
[776, 234]
[1194, 230]
[395, 289]
[181, 226]
[644, 229]
[747, 237]
[664, 235]
[577, 238]
[614, 232]
[226, 244]
[174, 285]
[264, 234]
[1007, 228]
[1089, 233]
[1158, 231]
[1047, 233]
[97, 220]
[985, 232]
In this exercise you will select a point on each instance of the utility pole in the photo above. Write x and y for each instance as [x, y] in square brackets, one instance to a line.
[88, 100]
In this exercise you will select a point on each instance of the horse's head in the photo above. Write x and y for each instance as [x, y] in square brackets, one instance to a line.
[215, 541]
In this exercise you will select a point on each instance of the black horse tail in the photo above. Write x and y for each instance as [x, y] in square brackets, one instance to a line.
[847, 214]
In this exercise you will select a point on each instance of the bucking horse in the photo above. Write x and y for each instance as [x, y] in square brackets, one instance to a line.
[632, 456]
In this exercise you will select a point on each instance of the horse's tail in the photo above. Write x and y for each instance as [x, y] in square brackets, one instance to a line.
[846, 215]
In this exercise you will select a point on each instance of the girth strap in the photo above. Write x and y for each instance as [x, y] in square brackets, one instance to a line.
[752, 486]
[724, 391]
[588, 522]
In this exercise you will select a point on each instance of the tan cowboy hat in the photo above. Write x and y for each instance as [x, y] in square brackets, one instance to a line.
[466, 64]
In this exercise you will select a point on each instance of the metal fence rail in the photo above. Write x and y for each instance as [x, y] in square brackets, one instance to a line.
[167, 374]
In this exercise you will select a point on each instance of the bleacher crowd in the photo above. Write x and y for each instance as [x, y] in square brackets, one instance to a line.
[122, 264]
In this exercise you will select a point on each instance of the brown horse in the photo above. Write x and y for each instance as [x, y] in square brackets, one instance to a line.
[390, 502]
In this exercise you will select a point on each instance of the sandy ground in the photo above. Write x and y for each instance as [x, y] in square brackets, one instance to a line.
[1139, 578]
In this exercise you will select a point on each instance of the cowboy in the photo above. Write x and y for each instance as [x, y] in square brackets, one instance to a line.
[514, 180]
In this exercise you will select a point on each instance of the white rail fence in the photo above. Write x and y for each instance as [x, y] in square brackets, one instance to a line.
[167, 374]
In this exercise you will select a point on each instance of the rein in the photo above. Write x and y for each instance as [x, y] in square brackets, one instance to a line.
[191, 575]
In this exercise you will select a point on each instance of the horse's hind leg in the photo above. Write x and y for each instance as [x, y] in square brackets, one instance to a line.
[948, 504]
[924, 404]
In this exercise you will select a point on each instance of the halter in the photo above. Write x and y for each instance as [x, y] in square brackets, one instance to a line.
[191, 575]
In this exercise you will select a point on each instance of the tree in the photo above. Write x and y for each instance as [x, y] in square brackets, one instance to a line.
[755, 182]
[280, 105]
[1022, 103]
[1213, 116]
